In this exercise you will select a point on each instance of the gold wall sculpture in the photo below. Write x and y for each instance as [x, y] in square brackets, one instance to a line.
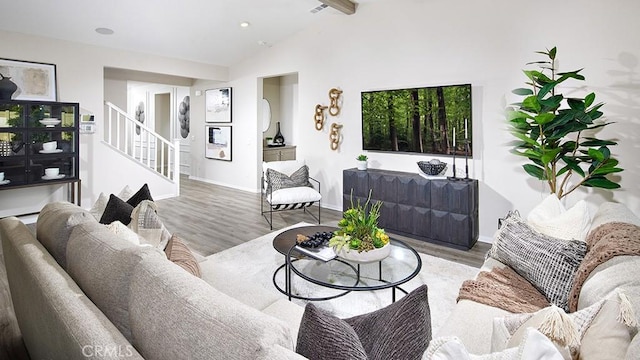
[334, 136]
[319, 116]
[334, 97]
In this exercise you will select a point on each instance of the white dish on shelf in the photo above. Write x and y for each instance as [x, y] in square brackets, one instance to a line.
[50, 122]
[54, 151]
[5, 182]
[59, 176]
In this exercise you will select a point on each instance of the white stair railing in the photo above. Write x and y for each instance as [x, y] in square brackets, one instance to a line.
[141, 143]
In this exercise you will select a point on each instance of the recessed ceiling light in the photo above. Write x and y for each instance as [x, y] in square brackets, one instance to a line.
[244, 24]
[262, 43]
[104, 31]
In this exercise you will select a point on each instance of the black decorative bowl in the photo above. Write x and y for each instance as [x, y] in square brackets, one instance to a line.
[432, 168]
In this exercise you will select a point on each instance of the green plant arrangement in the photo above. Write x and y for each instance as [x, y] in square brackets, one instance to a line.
[557, 133]
[358, 229]
[362, 157]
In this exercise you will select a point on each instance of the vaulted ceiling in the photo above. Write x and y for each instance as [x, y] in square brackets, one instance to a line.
[207, 31]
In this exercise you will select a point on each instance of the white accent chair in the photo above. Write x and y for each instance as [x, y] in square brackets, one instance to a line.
[288, 198]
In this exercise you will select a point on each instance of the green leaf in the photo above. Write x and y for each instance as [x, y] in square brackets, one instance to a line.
[551, 103]
[607, 170]
[601, 182]
[595, 154]
[597, 142]
[526, 139]
[522, 91]
[573, 165]
[552, 53]
[535, 171]
[511, 115]
[570, 74]
[545, 89]
[549, 155]
[589, 99]
[544, 118]
[576, 104]
[532, 154]
[531, 103]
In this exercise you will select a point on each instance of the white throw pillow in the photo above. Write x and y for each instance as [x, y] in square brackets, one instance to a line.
[123, 231]
[600, 331]
[98, 207]
[551, 218]
[534, 346]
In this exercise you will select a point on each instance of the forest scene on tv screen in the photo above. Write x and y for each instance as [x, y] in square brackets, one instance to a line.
[419, 120]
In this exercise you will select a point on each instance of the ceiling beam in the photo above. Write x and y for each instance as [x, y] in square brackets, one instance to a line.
[344, 6]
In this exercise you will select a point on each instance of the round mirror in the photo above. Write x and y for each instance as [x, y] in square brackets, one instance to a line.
[266, 115]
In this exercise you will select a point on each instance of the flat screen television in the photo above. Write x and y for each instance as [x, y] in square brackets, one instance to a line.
[418, 120]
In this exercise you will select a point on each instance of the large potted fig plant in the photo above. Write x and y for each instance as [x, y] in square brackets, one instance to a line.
[557, 134]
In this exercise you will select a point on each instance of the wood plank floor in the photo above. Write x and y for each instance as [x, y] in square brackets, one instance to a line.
[210, 219]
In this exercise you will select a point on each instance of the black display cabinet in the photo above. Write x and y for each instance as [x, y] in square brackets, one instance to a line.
[24, 127]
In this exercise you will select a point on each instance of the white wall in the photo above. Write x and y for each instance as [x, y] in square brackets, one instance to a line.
[80, 78]
[405, 43]
[387, 44]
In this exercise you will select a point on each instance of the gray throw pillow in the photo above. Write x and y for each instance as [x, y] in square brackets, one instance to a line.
[140, 195]
[548, 263]
[401, 330]
[278, 180]
[323, 336]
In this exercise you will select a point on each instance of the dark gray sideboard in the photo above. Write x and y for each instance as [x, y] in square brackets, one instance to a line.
[440, 211]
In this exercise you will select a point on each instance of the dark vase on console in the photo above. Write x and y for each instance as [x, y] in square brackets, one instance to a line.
[278, 139]
[7, 88]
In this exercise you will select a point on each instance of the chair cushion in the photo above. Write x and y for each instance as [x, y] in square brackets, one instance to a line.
[296, 195]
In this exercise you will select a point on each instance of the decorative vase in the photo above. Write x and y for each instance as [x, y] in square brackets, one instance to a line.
[364, 257]
[362, 164]
[278, 139]
[7, 88]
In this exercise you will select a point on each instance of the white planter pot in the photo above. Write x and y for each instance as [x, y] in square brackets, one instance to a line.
[362, 165]
[364, 256]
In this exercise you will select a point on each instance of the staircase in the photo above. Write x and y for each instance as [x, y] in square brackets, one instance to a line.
[141, 144]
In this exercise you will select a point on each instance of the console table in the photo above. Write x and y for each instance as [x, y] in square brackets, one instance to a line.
[440, 211]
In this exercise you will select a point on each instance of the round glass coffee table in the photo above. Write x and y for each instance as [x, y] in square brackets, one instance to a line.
[402, 265]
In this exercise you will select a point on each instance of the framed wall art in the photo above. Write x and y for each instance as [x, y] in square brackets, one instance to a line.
[218, 142]
[35, 81]
[218, 105]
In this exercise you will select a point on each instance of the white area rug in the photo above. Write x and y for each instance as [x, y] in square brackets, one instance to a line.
[256, 260]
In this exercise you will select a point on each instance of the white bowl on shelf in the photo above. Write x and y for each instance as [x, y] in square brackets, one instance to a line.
[50, 122]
